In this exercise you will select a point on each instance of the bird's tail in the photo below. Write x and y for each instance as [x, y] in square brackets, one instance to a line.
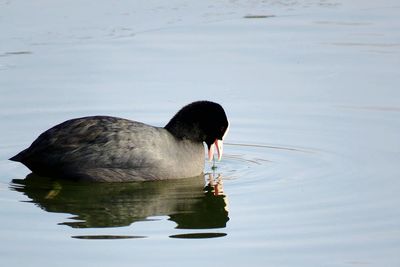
[19, 157]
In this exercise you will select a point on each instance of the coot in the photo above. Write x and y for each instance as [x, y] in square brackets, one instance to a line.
[110, 149]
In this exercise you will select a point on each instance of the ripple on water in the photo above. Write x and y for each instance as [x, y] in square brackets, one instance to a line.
[258, 164]
[105, 237]
[198, 235]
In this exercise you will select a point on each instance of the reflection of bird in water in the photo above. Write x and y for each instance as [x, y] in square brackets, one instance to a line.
[186, 201]
[214, 202]
[215, 185]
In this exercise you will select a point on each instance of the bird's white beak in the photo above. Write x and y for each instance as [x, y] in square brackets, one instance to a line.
[220, 147]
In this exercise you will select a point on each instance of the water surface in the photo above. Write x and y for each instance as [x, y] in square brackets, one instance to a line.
[310, 171]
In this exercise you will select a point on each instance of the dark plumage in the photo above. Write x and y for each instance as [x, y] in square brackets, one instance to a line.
[109, 149]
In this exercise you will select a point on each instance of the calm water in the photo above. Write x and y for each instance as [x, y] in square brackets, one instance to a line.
[310, 175]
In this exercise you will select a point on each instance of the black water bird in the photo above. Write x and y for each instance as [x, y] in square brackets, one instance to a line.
[110, 149]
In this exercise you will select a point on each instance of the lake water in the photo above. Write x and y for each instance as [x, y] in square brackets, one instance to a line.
[310, 174]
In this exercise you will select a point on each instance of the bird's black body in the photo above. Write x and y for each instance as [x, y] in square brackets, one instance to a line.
[110, 149]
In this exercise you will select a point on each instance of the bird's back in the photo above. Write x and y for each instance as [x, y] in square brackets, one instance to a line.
[103, 148]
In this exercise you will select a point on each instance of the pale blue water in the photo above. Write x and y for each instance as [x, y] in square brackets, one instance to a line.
[310, 174]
